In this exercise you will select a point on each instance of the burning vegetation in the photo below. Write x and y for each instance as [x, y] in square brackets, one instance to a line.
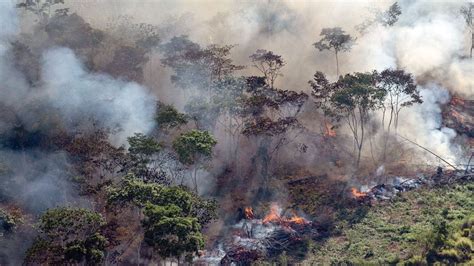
[185, 140]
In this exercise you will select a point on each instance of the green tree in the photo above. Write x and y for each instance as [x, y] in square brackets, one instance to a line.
[173, 216]
[143, 159]
[335, 39]
[171, 231]
[194, 148]
[400, 92]
[68, 235]
[168, 117]
[351, 99]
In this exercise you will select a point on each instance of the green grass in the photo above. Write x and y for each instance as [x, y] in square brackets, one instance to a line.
[401, 229]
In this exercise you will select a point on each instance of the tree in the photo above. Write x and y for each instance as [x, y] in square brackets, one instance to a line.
[143, 159]
[269, 64]
[269, 115]
[194, 147]
[468, 14]
[335, 39]
[171, 233]
[390, 16]
[168, 117]
[385, 18]
[68, 235]
[400, 91]
[194, 66]
[41, 8]
[351, 99]
[173, 216]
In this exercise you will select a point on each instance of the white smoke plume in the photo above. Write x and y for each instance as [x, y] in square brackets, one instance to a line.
[429, 41]
[78, 94]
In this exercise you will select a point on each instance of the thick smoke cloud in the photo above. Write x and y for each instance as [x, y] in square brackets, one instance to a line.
[116, 104]
[68, 97]
[429, 41]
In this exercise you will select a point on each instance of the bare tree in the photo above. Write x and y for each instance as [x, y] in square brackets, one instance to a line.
[269, 64]
[468, 13]
[335, 39]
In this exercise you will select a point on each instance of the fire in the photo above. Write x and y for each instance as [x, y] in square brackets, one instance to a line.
[328, 130]
[248, 211]
[274, 214]
[358, 194]
[275, 217]
[297, 220]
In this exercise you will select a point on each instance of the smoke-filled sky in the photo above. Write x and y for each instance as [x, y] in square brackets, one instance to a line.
[430, 40]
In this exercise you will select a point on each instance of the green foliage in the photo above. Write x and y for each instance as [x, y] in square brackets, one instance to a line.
[141, 145]
[143, 152]
[171, 232]
[168, 117]
[68, 235]
[194, 144]
[135, 191]
[173, 215]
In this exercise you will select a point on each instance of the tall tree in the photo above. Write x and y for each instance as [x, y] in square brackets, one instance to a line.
[194, 148]
[400, 92]
[350, 99]
[335, 39]
[269, 115]
[468, 13]
[269, 64]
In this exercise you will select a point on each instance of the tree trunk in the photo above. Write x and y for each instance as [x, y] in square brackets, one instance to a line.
[337, 66]
[195, 179]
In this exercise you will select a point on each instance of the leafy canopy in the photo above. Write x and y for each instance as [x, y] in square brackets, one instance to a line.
[194, 144]
[69, 235]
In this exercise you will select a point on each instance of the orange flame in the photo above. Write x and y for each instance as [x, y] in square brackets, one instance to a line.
[275, 217]
[358, 194]
[248, 211]
[328, 130]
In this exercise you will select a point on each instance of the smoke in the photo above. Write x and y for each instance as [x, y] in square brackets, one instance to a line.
[125, 106]
[428, 41]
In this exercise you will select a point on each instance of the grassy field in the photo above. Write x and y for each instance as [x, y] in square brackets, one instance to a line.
[428, 224]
